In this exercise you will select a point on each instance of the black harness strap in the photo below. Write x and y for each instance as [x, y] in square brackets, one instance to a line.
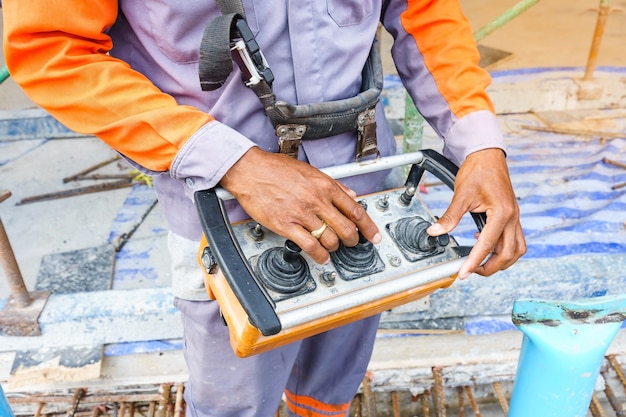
[293, 123]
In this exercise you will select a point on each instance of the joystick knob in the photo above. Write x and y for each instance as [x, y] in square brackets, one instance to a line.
[283, 270]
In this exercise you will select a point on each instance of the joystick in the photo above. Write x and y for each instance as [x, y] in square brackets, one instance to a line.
[284, 270]
[357, 261]
[410, 235]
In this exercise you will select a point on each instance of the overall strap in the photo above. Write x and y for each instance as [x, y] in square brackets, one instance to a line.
[231, 6]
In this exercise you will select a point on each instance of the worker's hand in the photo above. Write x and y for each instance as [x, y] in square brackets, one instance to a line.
[292, 199]
[483, 185]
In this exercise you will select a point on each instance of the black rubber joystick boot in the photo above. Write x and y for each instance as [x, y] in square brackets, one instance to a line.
[283, 270]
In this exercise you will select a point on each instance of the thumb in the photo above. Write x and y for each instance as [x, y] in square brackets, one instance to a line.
[446, 223]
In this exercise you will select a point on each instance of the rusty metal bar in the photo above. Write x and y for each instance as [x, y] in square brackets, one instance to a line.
[113, 185]
[78, 395]
[164, 400]
[438, 392]
[368, 396]
[395, 404]
[596, 408]
[610, 395]
[39, 409]
[603, 12]
[618, 370]
[180, 406]
[20, 316]
[424, 404]
[90, 169]
[472, 400]
[501, 399]
[10, 266]
[459, 392]
[614, 163]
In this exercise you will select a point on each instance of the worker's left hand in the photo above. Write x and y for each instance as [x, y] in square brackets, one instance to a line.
[483, 185]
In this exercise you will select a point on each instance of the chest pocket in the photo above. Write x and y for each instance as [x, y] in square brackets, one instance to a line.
[349, 12]
[177, 26]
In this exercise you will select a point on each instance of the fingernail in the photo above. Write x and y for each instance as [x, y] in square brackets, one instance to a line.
[377, 238]
[463, 275]
[435, 229]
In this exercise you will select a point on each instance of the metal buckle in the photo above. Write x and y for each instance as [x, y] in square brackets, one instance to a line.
[367, 143]
[290, 138]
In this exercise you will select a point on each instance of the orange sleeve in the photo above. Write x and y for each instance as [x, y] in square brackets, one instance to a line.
[61, 61]
[443, 36]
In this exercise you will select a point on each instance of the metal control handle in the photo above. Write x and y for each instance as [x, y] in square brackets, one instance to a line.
[232, 262]
[445, 170]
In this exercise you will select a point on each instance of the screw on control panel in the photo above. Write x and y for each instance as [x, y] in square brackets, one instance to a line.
[256, 233]
[382, 203]
[20, 316]
[406, 197]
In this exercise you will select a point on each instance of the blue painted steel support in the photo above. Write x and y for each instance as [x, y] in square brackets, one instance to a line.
[562, 351]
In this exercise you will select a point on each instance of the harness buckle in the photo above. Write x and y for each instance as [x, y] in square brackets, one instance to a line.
[290, 138]
[367, 143]
[249, 57]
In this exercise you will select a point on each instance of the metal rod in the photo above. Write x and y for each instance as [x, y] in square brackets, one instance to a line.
[90, 169]
[180, 409]
[438, 392]
[459, 392]
[603, 12]
[596, 408]
[614, 163]
[501, 399]
[10, 266]
[610, 395]
[505, 17]
[114, 185]
[618, 370]
[424, 404]
[472, 400]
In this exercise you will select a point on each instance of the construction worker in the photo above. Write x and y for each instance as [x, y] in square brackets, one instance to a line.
[127, 72]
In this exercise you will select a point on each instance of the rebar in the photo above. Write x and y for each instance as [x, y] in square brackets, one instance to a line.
[472, 400]
[610, 395]
[501, 398]
[10, 266]
[596, 408]
[618, 370]
[395, 404]
[424, 404]
[461, 400]
[438, 392]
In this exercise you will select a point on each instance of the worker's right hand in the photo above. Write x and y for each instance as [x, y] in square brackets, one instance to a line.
[292, 199]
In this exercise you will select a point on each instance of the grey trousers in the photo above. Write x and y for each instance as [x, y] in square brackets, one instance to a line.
[319, 375]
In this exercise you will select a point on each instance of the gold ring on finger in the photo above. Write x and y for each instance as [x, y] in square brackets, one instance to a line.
[317, 233]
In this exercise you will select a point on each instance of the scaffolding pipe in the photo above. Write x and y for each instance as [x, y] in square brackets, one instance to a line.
[504, 18]
[603, 12]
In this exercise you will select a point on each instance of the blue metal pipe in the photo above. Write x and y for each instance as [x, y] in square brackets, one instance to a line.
[562, 351]
[5, 410]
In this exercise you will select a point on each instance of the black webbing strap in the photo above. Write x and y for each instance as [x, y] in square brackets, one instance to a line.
[215, 60]
[231, 6]
[293, 123]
